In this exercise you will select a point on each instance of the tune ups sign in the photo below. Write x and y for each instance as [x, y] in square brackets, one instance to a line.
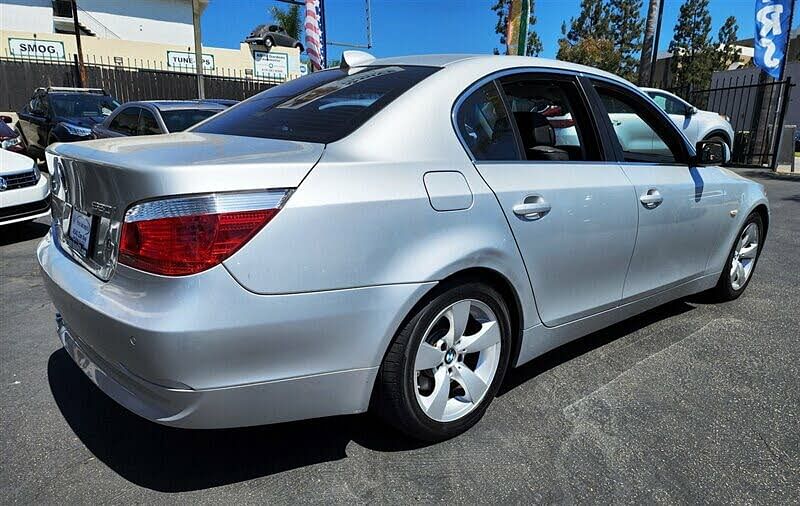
[773, 19]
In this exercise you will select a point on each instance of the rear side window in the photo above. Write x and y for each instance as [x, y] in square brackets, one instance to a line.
[322, 107]
[485, 127]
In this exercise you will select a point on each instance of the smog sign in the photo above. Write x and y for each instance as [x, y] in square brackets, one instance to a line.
[35, 48]
[271, 65]
[184, 60]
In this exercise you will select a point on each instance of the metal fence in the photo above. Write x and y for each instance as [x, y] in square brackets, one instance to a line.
[125, 79]
[756, 107]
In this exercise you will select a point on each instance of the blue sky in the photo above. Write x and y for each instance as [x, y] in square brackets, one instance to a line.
[437, 26]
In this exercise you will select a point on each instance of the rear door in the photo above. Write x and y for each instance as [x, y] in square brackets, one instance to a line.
[572, 214]
[679, 206]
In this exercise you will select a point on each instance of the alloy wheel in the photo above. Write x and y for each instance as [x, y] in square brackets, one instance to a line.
[457, 360]
[744, 256]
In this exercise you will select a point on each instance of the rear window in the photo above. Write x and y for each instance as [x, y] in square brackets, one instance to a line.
[322, 107]
[178, 120]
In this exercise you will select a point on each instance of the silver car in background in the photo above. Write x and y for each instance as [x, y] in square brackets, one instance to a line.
[394, 234]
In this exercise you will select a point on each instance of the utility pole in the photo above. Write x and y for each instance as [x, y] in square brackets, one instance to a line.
[198, 49]
[76, 25]
[652, 31]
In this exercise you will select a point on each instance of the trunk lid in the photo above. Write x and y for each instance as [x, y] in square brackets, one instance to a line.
[101, 179]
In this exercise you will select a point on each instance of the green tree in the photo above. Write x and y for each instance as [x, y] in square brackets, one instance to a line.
[593, 22]
[588, 40]
[599, 53]
[533, 45]
[626, 32]
[727, 50]
[692, 52]
[289, 18]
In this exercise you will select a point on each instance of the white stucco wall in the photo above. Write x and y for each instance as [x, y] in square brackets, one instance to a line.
[161, 21]
[26, 15]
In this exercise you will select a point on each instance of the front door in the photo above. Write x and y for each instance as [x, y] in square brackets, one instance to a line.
[678, 205]
[572, 214]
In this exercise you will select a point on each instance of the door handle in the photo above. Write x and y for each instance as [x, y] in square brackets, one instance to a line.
[651, 199]
[533, 208]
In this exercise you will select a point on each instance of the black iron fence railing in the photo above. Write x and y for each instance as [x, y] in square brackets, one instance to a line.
[126, 79]
[756, 107]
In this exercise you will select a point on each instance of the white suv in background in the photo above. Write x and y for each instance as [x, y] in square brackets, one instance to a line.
[696, 124]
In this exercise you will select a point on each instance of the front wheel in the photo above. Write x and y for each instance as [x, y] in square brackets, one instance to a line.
[446, 363]
[741, 260]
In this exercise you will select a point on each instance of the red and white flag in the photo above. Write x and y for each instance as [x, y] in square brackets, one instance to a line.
[315, 39]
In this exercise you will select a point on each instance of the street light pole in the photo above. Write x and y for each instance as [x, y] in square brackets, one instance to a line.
[77, 27]
[198, 49]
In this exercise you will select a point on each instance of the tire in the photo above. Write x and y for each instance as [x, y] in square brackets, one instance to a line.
[402, 392]
[268, 42]
[728, 288]
[718, 138]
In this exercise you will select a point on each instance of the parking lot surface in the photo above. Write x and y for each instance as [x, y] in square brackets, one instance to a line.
[689, 402]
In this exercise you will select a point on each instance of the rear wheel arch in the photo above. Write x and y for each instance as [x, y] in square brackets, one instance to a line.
[487, 276]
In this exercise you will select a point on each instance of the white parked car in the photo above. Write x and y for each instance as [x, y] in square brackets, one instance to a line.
[697, 125]
[24, 193]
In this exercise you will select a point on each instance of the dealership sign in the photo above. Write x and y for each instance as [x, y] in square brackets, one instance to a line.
[181, 59]
[35, 48]
[271, 65]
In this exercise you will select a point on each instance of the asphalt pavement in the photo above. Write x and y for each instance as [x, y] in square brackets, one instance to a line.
[687, 403]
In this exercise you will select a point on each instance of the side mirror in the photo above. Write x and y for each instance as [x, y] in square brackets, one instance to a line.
[691, 111]
[712, 153]
[6, 119]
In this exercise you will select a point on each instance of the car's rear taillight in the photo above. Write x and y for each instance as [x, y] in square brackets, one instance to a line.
[187, 235]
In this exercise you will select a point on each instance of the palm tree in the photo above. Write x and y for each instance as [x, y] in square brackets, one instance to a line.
[289, 19]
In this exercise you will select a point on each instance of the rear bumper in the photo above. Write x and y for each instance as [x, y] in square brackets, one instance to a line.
[238, 406]
[202, 352]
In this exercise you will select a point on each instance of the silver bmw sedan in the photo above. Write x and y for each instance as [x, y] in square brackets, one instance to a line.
[394, 234]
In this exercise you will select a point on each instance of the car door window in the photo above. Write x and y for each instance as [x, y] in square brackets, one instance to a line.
[643, 134]
[484, 125]
[148, 124]
[126, 122]
[669, 104]
[551, 118]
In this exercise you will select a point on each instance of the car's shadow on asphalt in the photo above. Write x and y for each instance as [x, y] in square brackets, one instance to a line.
[175, 460]
[21, 232]
[578, 347]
